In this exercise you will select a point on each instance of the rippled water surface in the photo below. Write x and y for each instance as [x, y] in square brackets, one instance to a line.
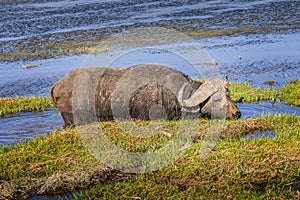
[267, 108]
[38, 18]
[27, 125]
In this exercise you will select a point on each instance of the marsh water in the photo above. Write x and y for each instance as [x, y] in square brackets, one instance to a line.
[264, 45]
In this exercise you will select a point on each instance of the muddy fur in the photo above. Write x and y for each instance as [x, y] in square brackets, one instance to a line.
[149, 91]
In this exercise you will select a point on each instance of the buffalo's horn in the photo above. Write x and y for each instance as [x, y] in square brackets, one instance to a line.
[202, 93]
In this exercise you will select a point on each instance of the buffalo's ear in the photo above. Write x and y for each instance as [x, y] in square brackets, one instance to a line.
[52, 98]
[202, 93]
[226, 82]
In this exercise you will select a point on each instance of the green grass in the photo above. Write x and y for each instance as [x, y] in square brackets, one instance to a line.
[290, 93]
[22, 104]
[59, 151]
[261, 168]
[244, 92]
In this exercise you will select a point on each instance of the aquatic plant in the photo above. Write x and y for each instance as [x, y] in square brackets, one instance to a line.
[92, 49]
[239, 169]
[30, 66]
[22, 104]
[205, 33]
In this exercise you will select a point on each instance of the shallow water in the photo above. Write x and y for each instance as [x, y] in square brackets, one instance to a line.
[15, 81]
[267, 108]
[257, 58]
[261, 58]
[260, 135]
[28, 125]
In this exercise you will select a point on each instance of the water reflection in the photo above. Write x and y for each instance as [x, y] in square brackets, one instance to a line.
[267, 108]
[28, 125]
[260, 135]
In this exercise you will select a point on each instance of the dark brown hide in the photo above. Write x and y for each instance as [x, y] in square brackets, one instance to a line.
[144, 91]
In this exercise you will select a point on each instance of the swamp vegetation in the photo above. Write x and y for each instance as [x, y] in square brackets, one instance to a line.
[22, 104]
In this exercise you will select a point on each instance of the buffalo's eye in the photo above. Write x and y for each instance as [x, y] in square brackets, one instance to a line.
[217, 99]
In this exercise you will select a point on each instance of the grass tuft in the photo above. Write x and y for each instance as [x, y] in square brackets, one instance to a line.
[290, 93]
[30, 66]
[21, 104]
[245, 93]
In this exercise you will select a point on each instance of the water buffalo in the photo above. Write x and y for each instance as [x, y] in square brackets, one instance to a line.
[139, 92]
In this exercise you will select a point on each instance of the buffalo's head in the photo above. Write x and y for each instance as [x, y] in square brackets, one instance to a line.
[212, 99]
